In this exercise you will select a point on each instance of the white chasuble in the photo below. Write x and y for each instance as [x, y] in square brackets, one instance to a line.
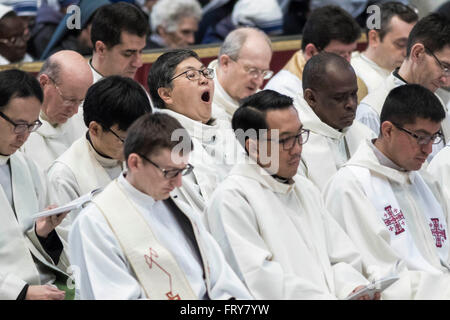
[393, 216]
[22, 257]
[268, 230]
[327, 149]
[49, 142]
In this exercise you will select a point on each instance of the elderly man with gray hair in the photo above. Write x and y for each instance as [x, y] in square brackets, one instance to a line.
[174, 23]
[241, 68]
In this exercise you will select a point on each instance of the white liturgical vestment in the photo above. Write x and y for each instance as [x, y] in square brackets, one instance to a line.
[280, 239]
[49, 142]
[393, 215]
[327, 149]
[23, 259]
[182, 264]
[439, 167]
[368, 71]
[76, 172]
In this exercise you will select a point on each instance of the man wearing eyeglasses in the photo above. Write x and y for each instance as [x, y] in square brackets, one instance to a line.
[14, 35]
[386, 46]
[182, 87]
[328, 109]
[427, 63]
[95, 159]
[270, 222]
[65, 78]
[153, 245]
[393, 212]
[32, 254]
[241, 68]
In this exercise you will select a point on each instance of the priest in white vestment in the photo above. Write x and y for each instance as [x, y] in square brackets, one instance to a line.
[241, 67]
[386, 45]
[329, 29]
[327, 109]
[32, 255]
[270, 222]
[153, 245]
[427, 57]
[183, 88]
[94, 160]
[65, 78]
[393, 212]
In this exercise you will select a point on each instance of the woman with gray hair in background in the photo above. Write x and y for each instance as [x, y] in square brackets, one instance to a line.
[174, 23]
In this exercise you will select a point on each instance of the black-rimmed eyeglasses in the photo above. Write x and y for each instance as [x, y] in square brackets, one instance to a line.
[20, 128]
[117, 136]
[172, 173]
[194, 74]
[445, 70]
[288, 143]
[422, 140]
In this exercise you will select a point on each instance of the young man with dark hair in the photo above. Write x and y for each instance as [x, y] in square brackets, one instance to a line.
[328, 109]
[427, 63]
[386, 47]
[270, 222]
[32, 254]
[110, 107]
[393, 212]
[329, 29]
[154, 246]
[182, 87]
[119, 32]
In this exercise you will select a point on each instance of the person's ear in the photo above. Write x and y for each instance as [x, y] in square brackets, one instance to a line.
[100, 48]
[95, 129]
[417, 53]
[44, 80]
[133, 161]
[310, 51]
[251, 146]
[166, 95]
[310, 98]
[386, 130]
[373, 38]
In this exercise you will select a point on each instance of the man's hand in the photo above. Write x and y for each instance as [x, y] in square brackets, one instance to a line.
[45, 225]
[46, 292]
[376, 296]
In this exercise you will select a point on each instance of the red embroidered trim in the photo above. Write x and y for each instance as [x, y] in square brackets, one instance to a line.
[436, 232]
[394, 219]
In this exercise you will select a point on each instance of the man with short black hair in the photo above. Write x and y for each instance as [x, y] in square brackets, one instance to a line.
[271, 223]
[118, 34]
[427, 63]
[111, 106]
[386, 47]
[32, 254]
[153, 245]
[329, 29]
[392, 211]
[328, 109]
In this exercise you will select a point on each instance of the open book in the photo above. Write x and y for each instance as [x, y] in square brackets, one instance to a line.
[73, 205]
[377, 285]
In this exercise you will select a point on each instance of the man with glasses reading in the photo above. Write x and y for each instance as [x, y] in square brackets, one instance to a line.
[152, 244]
[182, 87]
[328, 109]
[65, 78]
[111, 106]
[241, 68]
[427, 63]
[14, 35]
[32, 254]
[394, 213]
[271, 223]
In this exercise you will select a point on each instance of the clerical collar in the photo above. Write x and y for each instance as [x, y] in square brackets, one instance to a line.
[90, 63]
[395, 73]
[281, 179]
[88, 137]
[4, 159]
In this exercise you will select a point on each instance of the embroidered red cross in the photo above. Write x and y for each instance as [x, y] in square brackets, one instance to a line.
[394, 219]
[436, 232]
[150, 261]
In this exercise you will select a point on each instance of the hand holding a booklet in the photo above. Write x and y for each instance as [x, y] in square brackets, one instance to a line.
[45, 225]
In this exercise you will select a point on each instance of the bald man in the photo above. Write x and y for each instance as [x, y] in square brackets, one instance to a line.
[64, 78]
[328, 110]
[241, 68]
